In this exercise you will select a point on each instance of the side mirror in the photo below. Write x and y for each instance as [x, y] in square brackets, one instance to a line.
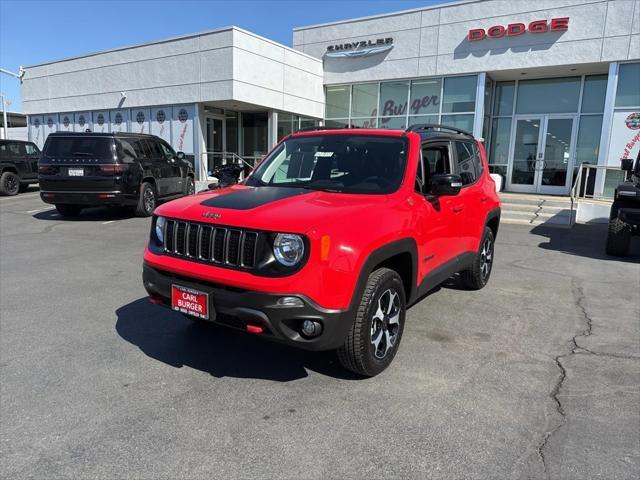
[626, 164]
[180, 155]
[445, 184]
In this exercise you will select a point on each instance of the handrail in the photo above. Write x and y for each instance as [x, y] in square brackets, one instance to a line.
[224, 158]
[582, 184]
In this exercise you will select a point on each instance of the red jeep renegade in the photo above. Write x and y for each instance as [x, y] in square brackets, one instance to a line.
[329, 240]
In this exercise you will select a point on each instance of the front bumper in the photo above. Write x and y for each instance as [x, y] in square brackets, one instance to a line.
[88, 198]
[630, 216]
[238, 308]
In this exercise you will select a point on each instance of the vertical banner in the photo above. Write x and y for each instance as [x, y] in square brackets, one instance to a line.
[66, 122]
[625, 137]
[140, 120]
[182, 129]
[101, 122]
[82, 122]
[161, 123]
[119, 120]
[36, 130]
[50, 125]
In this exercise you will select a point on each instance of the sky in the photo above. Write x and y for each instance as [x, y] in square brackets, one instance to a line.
[35, 31]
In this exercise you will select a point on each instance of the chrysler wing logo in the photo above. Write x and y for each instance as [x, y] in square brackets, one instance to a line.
[215, 216]
[359, 48]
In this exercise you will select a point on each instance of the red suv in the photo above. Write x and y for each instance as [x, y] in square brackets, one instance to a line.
[329, 240]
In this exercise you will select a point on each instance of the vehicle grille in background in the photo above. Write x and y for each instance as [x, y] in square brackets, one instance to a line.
[217, 245]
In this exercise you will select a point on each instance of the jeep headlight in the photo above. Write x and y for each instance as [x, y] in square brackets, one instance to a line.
[288, 249]
[159, 229]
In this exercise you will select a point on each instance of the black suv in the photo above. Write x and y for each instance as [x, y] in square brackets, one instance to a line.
[18, 166]
[624, 219]
[79, 170]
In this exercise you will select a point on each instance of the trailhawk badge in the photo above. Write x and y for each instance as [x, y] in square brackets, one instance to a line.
[215, 216]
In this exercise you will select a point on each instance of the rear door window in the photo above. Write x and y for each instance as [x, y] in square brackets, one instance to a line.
[468, 162]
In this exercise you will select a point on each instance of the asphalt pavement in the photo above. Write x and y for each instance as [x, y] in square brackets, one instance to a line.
[535, 376]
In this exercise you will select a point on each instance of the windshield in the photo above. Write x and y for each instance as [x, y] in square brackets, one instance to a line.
[339, 163]
[79, 147]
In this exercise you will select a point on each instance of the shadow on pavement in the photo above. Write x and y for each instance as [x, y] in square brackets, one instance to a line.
[177, 341]
[583, 240]
[92, 214]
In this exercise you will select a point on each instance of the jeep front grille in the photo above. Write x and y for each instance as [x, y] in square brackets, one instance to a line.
[221, 246]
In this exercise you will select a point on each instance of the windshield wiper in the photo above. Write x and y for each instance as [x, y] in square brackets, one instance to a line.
[323, 189]
[82, 154]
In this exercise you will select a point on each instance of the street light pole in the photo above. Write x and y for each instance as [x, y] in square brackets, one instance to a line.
[19, 76]
[4, 117]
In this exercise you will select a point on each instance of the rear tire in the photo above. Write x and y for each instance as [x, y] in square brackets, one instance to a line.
[147, 201]
[618, 238]
[477, 276]
[9, 184]
[375, 335]
[69, 210]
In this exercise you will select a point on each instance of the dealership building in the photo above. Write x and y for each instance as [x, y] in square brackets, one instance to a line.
[549, 85]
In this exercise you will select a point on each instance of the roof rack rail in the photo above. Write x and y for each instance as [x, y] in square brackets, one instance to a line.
[433, 126]
[316, 128]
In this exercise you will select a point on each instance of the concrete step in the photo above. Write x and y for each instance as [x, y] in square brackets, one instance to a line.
[551, 222]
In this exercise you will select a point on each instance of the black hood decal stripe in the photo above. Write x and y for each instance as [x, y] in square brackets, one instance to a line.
[253, 197]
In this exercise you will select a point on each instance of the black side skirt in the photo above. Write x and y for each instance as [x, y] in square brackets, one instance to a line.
[444, 271]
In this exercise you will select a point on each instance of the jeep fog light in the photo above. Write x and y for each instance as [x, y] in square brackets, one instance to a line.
[311, 328]
[288, 249]
[160, 221]
[289, 302]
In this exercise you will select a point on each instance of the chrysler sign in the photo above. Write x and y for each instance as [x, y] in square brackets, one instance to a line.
[518, 28]
[359, 48]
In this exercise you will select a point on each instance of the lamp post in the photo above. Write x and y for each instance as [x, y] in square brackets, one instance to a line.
[19, 76]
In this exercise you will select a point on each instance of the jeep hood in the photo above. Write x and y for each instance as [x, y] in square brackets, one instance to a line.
[271, 208]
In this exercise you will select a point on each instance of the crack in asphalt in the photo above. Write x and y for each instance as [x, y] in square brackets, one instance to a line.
[574, 349]
[579, 298]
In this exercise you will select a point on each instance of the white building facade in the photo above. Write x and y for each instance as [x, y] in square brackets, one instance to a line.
[549, 85]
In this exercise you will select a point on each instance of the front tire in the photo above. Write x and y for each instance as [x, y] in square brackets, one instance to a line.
[376, 332]
[190, 186]
[9, 184]
[147, 201]
[69, 210]
[477, 276]
[618, 238]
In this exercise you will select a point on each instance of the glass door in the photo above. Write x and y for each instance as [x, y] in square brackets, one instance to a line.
[215, 142]
[557, 159]
[525, 155]
[542, 154]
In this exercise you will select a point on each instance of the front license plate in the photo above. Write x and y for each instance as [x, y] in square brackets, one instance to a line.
[76, 172]
[190, 301]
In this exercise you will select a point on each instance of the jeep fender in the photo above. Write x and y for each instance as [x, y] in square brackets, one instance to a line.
[493, 217]
[380, 255]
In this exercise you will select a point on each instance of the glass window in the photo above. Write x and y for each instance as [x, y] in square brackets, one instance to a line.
[503, 104]
[285, 125]
[588, 144]
[364, 100]
[459, 94]
[79, 146]
[499, 142]
[488, 85]
[308, 122]
[31, 149]
[469, 164]
[355, 163]
[254, 130]
[423, 119]
[549, 95]
[393, 123]
[393, 98]
[425, 96]
[437, 156]
[337, 123]
[465, 122]
[167, 151]
[595, 89]
[232, 132]
[337, 102]
[364, 122]
[628, 92]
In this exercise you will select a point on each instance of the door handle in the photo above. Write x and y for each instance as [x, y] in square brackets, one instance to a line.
[458, 208]
[483, 199]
